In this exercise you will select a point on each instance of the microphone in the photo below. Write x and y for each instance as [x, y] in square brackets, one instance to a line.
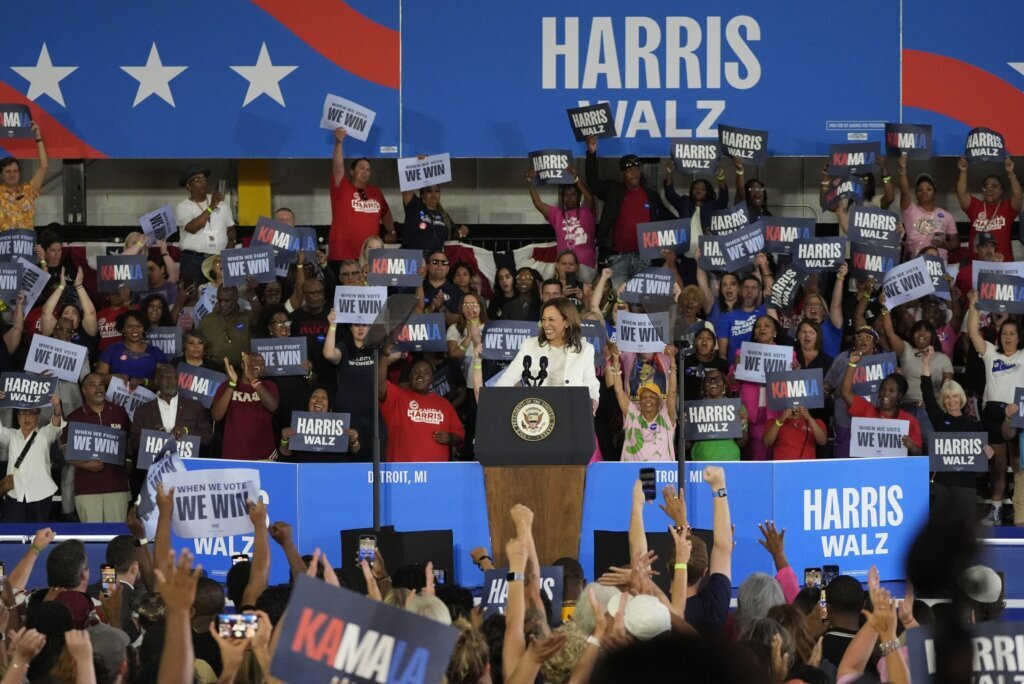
[527, 363]
[543, 371]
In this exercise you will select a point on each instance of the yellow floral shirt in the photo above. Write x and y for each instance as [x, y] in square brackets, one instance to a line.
[17, 209]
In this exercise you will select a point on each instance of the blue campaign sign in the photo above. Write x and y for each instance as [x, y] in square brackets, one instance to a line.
[851, 514]
[414, 497]
[256, 74]
[668, 71]
[279, 489]
[607, 496]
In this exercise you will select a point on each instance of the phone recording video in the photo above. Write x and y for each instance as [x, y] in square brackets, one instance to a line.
[367, 548]
[828, 573]
[237, 626]
[108, 578]
[812, 577]
[648, 482]
[440, 576]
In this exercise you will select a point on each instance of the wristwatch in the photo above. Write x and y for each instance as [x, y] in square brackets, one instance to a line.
[721, 493]
[515, 577]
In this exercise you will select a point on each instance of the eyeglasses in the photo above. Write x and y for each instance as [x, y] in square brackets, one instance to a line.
[350, 273]
[713, 380]
[475, 305]
[439, 262]
[283, 324]
[524, 276]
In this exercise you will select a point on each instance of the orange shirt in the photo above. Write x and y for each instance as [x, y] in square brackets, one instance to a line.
[17, 209]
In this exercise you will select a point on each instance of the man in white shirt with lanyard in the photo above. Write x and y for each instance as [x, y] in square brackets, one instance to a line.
[204, 221]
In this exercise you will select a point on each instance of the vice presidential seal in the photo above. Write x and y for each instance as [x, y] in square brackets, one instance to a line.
[533, 419]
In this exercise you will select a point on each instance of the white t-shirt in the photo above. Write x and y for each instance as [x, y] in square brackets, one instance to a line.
[1003, 374]
[213, 237]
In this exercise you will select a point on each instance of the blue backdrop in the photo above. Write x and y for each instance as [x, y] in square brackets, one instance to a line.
[494, 79]
[783, 492]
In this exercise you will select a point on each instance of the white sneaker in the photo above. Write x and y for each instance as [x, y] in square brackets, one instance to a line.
[993, 517]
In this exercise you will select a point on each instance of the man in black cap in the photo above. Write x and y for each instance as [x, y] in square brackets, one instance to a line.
[626, 203]
[205, 222]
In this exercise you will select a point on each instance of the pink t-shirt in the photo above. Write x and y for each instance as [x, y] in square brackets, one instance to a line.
[576, 229]
[922, 226]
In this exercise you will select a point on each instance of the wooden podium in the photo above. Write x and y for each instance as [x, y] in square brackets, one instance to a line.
[534, 444]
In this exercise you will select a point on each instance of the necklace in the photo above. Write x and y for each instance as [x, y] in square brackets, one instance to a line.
[988, 216]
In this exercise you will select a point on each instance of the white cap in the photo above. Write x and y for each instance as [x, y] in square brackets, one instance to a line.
[980, 583]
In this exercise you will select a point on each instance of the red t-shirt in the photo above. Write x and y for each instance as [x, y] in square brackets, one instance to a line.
[412, 420]
[355, 215]
[862, 408]
[997, 219]
[112, 478]
[248, 425]
[635, 209]
[795, 441]
[107, 320]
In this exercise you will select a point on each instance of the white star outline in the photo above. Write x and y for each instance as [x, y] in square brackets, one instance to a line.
[154, 78]
[264, 78]
[44, 78]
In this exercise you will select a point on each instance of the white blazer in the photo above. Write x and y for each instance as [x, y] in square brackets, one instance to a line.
[579, 367]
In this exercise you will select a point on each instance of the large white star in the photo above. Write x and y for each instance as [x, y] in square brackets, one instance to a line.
[154, 78]
[44, 78]
[1019, 66]
[264, 78]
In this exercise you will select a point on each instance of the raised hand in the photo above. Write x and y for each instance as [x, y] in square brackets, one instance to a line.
[340, 134]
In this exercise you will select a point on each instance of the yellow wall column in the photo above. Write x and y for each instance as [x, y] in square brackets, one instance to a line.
[253, 190]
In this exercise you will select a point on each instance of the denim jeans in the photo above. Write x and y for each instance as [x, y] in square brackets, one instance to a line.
[624, 267]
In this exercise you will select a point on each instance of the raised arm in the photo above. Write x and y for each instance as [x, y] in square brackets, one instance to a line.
[597, 185]
[581, 185]
[176, 583]
[162, 540]
[905, 196]
[896, 343]
[331, 351]
[931, 404]
[961, 184]
[535, 196]
[514, 643]
[44, 161]
[18, 579]
[1016, 194]
[12, 338]
[222, 402]
[338, 157]
[281, 533]
[637, 535]
[259, 573]
[741, 192]
[979, 343]
[835, 309]
[846, 390]
[613, 377]
[703, 285]
[888, 191]
[721, 553]
[597, 296]
[47, 319]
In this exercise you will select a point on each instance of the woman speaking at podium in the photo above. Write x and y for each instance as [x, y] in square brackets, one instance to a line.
[557, 357]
